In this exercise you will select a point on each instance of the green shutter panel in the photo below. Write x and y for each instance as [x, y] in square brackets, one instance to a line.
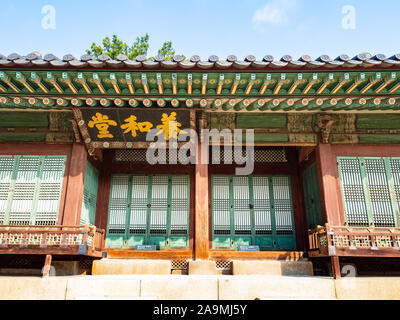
[88, 213]
[25, 190]
[6, 173]
[282, 205]
[118, 205]
[49, 190]
[149, 209]
[353, 192]
[180, 204]
[221, 215]
[378, 192]
[262, 206]
[241, 205]
[139, 207]
[179, 214]
[252, 210]
[395, 170]
[312, 197]
[159, 211]
[262, 212]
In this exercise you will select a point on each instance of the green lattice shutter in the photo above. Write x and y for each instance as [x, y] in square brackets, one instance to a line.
[25, 190]
[221, 211]
[262, 212]
[242, 214]
[252, 210]
[370, 190]
[179, 211]
[49, 190]
[149, 209]
[395, 170]
[30, 189]
[7, 164]
[378, 192]
[159, 211]
[312, 197]
[117, 216]
[139, 210]
[355, 207]
[88, 213]
[283, 213]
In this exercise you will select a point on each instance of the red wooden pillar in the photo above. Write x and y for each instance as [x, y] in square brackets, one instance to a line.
[76, 180]
[326, 164]
[201, 197]
[201, 215]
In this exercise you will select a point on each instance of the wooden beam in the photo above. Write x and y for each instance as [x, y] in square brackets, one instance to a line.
[46, 267]
[81, 79]
[204, 84]
[114, 83]
[68, 81]
[268, 80]
[280, 83]
[369, 85]
[395, 88]
[174, 80]
[36, 79]
[190, 84]
[22, 79]
[159, 84]
[341, 83]
[128, 79]
[250, 84]
[8, 81]
[335, 267]
[220, 83]
[384, 85]
[235, 83]
[97, 81]
[75, 186]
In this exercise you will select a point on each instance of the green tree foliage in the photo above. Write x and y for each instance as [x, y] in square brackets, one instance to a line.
[113, 47]
[167, 51]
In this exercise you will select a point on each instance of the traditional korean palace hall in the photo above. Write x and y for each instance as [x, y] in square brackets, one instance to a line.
[77, 192]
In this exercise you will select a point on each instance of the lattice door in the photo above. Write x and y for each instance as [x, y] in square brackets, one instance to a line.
[30, 189]
[152, 209]
[252, 210]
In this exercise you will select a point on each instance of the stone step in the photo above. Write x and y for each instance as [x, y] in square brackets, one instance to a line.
[272, 267]
[239, 267]
[130, 266]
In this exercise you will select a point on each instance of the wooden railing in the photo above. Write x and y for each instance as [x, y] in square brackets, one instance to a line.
[51, 237]
[323, 239]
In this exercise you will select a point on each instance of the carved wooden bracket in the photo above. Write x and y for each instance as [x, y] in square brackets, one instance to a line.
[324, 123]
[203, 123]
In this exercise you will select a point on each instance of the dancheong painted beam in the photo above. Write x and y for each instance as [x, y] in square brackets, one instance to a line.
[365, 82]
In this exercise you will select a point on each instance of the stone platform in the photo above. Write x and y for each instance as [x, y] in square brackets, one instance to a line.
[188, 287]
[199, 267]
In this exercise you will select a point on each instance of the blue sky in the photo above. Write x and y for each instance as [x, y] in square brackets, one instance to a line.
[205, 27]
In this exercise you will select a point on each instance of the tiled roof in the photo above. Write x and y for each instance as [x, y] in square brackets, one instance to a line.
[363, 60]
